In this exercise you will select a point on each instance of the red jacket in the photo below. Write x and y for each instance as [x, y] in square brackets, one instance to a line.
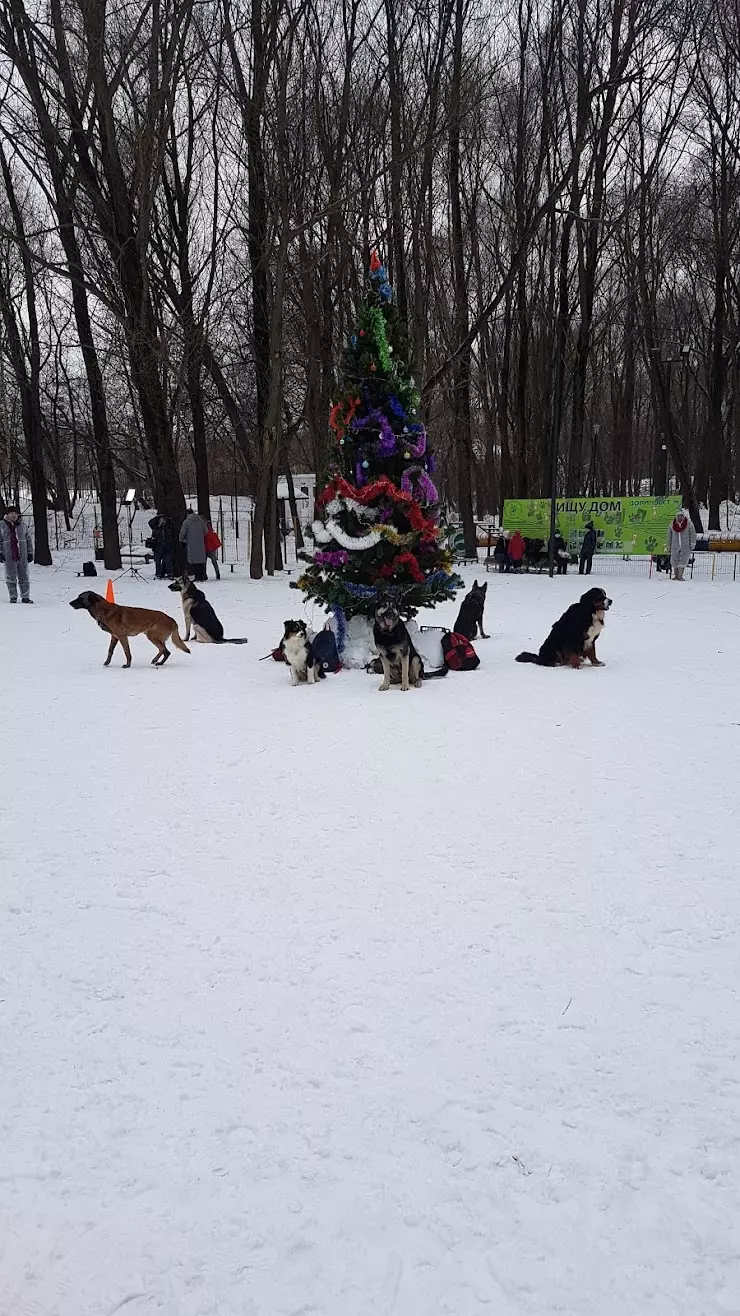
[516, 547]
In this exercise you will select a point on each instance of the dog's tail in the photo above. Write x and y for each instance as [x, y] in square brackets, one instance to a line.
[528, 658]
[178, 643]
[432, 676]
[225, 641]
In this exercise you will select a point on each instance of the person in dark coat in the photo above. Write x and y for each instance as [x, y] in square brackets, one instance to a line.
[562, 556]
[588, 548]
[501, 553]
[193, 536]
[162, 547]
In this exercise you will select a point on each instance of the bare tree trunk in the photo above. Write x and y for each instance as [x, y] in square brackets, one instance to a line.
[125, 226]
[98, 409]
[624, 20]
[297, 531]
[461, 366]
[395, 95]
[502, 410]
[713, 441]
[27, 373]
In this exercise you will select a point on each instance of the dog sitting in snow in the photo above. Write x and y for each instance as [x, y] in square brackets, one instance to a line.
[297, 651]
[397, 654]
[470, 617]
[199, 613]
[573, 637]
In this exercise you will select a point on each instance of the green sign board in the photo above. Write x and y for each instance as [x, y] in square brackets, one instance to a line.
[623, 525]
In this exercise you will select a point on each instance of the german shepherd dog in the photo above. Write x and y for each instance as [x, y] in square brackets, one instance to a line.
[297, 651]
[120, 623]
[573, 637]
[199, 614]
[397, 653]
[470, 617]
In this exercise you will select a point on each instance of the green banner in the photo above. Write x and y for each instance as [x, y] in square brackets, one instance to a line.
[623, 525]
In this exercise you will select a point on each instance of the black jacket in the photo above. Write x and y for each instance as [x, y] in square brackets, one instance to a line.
[588, 547]
[161, 536]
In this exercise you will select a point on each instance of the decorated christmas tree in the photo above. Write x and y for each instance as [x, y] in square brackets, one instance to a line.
[378, 532]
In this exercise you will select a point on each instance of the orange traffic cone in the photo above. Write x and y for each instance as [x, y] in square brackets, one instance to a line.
[109, 595]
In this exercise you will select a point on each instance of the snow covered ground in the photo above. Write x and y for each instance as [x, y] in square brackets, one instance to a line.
[317, 1003]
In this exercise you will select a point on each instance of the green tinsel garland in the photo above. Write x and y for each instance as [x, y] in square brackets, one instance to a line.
[376, 319]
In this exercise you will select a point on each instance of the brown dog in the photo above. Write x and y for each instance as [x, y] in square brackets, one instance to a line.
[120, 623]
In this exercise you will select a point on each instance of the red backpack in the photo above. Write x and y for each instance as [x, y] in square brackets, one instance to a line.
[460, 656]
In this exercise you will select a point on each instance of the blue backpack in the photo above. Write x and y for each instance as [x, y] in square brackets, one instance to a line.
[325, 652]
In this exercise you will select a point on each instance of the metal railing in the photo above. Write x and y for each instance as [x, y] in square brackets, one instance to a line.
[702, 566]
[232, 524]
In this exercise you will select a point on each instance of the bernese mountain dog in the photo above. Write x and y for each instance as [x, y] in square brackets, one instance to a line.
[573, 638]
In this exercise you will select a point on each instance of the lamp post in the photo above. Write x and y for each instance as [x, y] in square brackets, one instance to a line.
[557, 410]
[595, 431]
[661, 475]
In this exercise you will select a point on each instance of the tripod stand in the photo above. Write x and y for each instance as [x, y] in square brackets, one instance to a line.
[131, 570]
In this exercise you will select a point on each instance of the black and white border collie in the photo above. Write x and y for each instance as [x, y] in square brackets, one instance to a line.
[297, 651]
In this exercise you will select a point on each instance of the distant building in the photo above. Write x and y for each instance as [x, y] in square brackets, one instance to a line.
[305, 496]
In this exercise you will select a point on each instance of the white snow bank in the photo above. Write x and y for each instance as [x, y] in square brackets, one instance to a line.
[320, 1001]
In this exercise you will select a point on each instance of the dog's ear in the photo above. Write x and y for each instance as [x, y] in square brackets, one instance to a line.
[475, 583]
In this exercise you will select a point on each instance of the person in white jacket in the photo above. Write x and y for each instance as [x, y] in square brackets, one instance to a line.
[681, 543]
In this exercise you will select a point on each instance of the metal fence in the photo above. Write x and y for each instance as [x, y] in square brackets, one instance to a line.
[702, 566]
[232, 519]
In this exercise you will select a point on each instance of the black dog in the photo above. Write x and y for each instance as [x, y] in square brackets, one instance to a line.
[573, 638]
[397, 654]
[199, 614]
[470, 616]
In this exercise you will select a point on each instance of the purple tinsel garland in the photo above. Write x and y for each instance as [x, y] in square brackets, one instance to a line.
[388, 441]
[426, 486]
[332, 557]
[419, 448]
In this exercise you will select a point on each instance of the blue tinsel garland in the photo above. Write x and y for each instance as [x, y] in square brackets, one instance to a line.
[341, 621]
[359, 591]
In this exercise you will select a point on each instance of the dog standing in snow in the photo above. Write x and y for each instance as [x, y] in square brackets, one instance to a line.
[121, 623]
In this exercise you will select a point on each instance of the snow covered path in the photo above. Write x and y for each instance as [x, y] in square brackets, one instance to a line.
[314, 1003]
